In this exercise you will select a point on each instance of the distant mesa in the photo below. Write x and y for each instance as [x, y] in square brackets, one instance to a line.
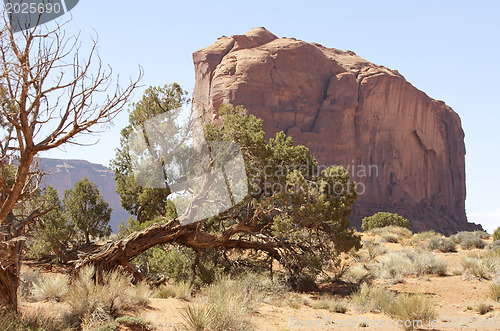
[63, 174]
[349, 112]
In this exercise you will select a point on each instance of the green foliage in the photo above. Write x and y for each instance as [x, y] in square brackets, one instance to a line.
[290, 201]
[496, 234]
[54, 233]
[145, 203]
[87, 211]
[383, 219]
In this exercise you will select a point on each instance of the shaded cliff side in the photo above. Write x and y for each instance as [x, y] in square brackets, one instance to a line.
[405, 149]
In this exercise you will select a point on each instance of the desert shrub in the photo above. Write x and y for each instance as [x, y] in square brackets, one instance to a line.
[397, 230]
[26, 284]
[331, 304]
[392, 234]
[484, 308]
[413, 309]
[478, 267]
[443, 245]
[130, 321]
[181, 290]
[356, 274]
[494, 245]
[371, 250]
[198, 317]
[383, 219]
[173, 262]
[228, 300]
[495, 290]
[372, 298]
[423, 236]
[424, 262]
[50, 288]
[37, 321]
[394, 267]
[496, 234]
[92, 302]
[482, 234]
[294, 300]
[469, 239]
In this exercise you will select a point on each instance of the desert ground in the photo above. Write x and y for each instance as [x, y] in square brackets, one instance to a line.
[458, 286]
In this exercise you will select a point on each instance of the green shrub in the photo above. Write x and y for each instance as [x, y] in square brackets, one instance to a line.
[413, 309]
[132, 322]
[496, 234]
[383, 219]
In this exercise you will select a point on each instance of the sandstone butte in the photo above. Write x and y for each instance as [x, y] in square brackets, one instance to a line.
[405, 149]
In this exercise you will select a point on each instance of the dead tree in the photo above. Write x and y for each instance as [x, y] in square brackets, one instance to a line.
[47, 99]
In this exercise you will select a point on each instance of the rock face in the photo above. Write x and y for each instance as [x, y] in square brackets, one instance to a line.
[405, 149]
[63, 174]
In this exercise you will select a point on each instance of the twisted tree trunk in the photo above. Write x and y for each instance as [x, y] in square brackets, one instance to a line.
[121, 252]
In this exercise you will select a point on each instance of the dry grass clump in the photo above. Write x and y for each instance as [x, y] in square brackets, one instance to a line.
[26, 282]
[356, 274]
[372, 298]
[36, 320]
[495, 290]
[393, 234]
[444, 245]
[470, 239]
[426, 263]
[419, 238]
[181, 290]
[413, 309]
[93, 304]
[223, 305]
[331, 304]
[50, 288]
[394, 267]
[371, 250]
[482, 265]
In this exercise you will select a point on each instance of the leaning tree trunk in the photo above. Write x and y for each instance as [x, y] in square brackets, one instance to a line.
[120, 252]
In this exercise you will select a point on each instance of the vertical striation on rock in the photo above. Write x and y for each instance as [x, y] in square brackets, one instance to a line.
[405, 149]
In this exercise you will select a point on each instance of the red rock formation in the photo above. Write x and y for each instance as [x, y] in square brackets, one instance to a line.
[404, 149]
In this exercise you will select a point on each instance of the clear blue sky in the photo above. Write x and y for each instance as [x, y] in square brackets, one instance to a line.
[448, 49]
